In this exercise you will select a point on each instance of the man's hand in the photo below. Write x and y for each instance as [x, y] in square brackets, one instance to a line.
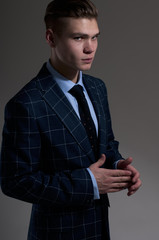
[135, 181]
[109, 181]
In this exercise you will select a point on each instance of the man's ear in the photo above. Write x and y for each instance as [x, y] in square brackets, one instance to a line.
[50, 37]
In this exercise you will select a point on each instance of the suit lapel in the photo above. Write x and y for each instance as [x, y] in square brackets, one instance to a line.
[93, 92]
[57, 100]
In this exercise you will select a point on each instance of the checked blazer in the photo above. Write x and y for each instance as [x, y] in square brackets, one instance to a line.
[44, 156]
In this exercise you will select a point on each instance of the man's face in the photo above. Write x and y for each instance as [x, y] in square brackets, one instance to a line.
[75, 46]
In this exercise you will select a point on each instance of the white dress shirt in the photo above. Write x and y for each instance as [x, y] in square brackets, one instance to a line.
[65, 85]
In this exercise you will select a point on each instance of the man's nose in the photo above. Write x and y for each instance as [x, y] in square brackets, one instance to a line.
[89, 47]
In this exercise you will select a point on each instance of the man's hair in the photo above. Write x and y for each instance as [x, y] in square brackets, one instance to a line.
[69, 8]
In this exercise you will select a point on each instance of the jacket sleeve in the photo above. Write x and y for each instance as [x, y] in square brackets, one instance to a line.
[21, 173]
[112, 151]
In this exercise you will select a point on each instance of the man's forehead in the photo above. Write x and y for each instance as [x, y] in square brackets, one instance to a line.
[79, 25]
[78, 22]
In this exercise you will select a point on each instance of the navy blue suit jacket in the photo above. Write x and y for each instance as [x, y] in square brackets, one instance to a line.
[45, 153]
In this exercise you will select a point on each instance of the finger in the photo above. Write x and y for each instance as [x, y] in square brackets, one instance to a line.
[130, 193]
[121, 186]
[135, 177]
[101, 161]
[114, 190]
[135, 173]
[133, 188]
[120, 173]
[123, 179]
[123, 164]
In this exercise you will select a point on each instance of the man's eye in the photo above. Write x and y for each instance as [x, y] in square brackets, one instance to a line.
[78, 38]
[94, 38]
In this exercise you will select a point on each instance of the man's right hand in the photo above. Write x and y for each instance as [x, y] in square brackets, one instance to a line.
[110, 180]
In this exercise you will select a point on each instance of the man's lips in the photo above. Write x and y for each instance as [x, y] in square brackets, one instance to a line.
[87, 60]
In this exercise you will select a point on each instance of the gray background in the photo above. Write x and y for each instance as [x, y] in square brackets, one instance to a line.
[127, 60]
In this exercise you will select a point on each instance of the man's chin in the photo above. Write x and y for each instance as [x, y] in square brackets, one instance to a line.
[86, 67]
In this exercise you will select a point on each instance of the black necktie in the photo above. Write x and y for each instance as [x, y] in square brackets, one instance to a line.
[86, 119]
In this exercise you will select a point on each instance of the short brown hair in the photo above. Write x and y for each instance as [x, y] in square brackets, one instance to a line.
[69, 8]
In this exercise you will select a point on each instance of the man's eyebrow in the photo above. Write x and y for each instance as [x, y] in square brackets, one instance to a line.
[84, 34]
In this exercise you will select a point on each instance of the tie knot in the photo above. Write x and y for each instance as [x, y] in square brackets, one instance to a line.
[77, 91]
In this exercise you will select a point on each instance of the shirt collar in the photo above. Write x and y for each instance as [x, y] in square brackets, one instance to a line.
[64, 83]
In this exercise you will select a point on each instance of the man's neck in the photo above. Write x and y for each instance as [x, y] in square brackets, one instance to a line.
[70, 74]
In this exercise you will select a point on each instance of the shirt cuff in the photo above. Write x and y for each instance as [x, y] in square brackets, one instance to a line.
[116, 163]
[95, 186]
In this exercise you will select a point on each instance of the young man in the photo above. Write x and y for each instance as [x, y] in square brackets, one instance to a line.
[58, 149]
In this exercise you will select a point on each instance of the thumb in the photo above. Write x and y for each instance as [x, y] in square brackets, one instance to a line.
[124, 163]
[101, 161]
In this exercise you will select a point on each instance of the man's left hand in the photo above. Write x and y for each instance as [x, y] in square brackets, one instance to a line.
[136, 182]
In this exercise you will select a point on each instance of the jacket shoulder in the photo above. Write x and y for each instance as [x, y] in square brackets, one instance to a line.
[98, 83]
[25, 94]
[30, 92]
[94, 79]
